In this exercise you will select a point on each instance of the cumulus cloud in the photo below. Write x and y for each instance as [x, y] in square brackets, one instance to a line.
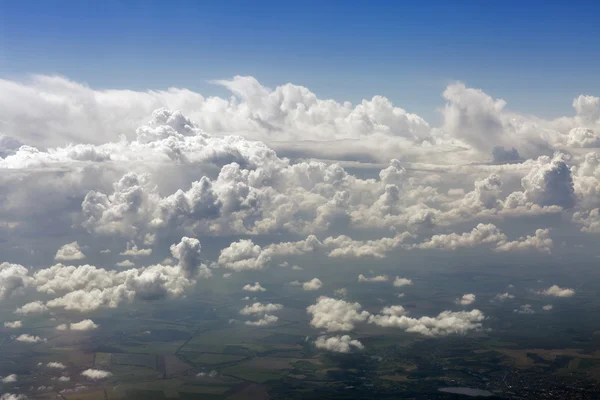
[260, 308]
[524, 309]
[256, 287]
[13, 324]
[133, 251]
[267, 319]
[378, 278]
[96, 374]
[557, 291]
[33, 307]
[540, 242]
[466, 299]
[9, 378]
[13, 278]
[547, 307]
[27, 338]
[336, 315]
[446, 323]
[13, 396]
[177, 178]
[69, 252]
[56, 365]
[503, 296]
[84, 325]
[399, 282]
[125, 264]
[338, 344]
[481, 234]
[313, 284]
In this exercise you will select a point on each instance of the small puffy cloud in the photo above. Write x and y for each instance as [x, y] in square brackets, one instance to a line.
[256, 287]
[446, 323]
[13, 278]
[260, 308]
[345, 247]
[336, 315]
[133, 251]
[13, 396]
[524, 309]
[13, 324]
[125, 264]
[56, 365]
[63, 378]
[267, 319]
[342, 292]
[69, 252]
[378, 278]
[187, 251]
[547, 307]
[35, 307]
[466, 299]
[62, 327]
[504, 296]
[85, 325]
[338, 344]
[557, 291]
[399, 282]
[481, 234]
[27, 338]
[541, 242]
[313, 284]
[96, 374]
[9, 378]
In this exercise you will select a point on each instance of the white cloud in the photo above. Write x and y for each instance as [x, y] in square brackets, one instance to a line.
[69, 252]
[446, 323]
[13, 278]
[557, 291]
[466, 299]
[84, 325]
[56, 365]
[34, 307]
[313, 284]
[9, 378]
[96, 374]
[253, 288]
[125, 264]
[481, 234]
[547, 307]
[399, 282]
[336, 315]
[133, 251]
[540, 242]
[260, 308]
[338, 344]
[13, 324]
[378, 278]
[27, 338]
[524, 309]
[267, 319]
[13, 396]
[504, 296]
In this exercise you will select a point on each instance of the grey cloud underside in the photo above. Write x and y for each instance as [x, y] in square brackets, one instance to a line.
[125, 171]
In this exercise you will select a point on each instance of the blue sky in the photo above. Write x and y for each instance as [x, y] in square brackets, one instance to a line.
[538, 56]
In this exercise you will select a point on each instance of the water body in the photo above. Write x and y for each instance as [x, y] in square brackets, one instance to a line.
[466, 391]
